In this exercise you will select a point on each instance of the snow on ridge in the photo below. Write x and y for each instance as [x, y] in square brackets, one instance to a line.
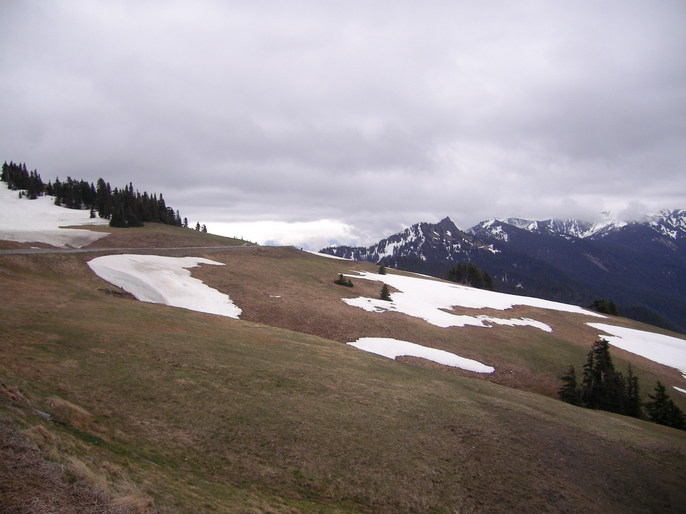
[392, 348]
[669, 223]
[564, 227]
[329, 256]
[41, 221]
[164, 280]
[431, 300]
[667, 350]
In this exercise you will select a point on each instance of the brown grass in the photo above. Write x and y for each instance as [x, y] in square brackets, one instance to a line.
[155, 235]
[31, 484]
[309, 302]
[202, 413]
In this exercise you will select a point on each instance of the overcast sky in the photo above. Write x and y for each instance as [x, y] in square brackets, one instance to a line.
[310, 122]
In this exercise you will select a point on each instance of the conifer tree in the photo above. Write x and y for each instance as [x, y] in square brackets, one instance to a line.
[633, 401]
[128, 206]
[603, 386]
[470, 275]
[569, 392]
[118, 218]
[604, 307]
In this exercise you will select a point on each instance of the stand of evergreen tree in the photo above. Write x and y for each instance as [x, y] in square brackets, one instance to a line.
[604, 307]
[470, 275]
[123, 207]
[604, 388]
[18, 177]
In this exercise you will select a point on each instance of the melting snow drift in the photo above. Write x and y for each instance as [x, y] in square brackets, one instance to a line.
[157, 279]
[430, 299]
[392, 348]
[667, 350]
[40, 221]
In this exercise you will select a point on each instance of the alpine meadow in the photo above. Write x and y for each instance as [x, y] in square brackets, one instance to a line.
[155, 367]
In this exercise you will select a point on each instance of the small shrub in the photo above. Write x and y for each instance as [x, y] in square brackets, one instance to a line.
[343, 281]
[385, 294]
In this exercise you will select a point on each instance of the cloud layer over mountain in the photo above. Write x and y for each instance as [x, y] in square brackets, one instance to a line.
[370, 116]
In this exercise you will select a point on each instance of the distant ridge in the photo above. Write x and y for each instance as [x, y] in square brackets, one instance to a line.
[640, 265]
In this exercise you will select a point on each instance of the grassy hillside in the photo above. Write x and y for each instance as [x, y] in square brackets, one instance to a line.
[163, 409]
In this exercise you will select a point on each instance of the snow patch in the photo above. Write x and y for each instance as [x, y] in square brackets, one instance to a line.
[680, 389]
[40, 221]
[430, 300]
[440, 318]
[329, 256]
[165, 280]
[392, 348]
[667, 350]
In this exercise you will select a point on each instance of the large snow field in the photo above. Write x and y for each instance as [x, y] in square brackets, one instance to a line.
[667, 350]
[165, 280]
[39, 221]
[392, 348]
[430, 299]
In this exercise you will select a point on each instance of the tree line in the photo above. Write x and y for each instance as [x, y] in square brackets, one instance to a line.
[603, 387]
[125, 207]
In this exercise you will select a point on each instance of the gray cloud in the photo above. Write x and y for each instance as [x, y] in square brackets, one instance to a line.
[374, 114]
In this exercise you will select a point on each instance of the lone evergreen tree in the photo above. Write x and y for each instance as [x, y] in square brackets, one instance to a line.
[385, 294]
[382, 269]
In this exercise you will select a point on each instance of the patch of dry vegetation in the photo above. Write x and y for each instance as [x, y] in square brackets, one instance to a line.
[290, 289]
[156, 235]
[169, 410]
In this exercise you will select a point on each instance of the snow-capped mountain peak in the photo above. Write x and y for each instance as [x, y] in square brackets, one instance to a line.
[568, 228]
[422, 241]
[669, 223]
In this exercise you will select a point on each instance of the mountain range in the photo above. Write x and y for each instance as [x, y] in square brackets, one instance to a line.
[639, 265]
